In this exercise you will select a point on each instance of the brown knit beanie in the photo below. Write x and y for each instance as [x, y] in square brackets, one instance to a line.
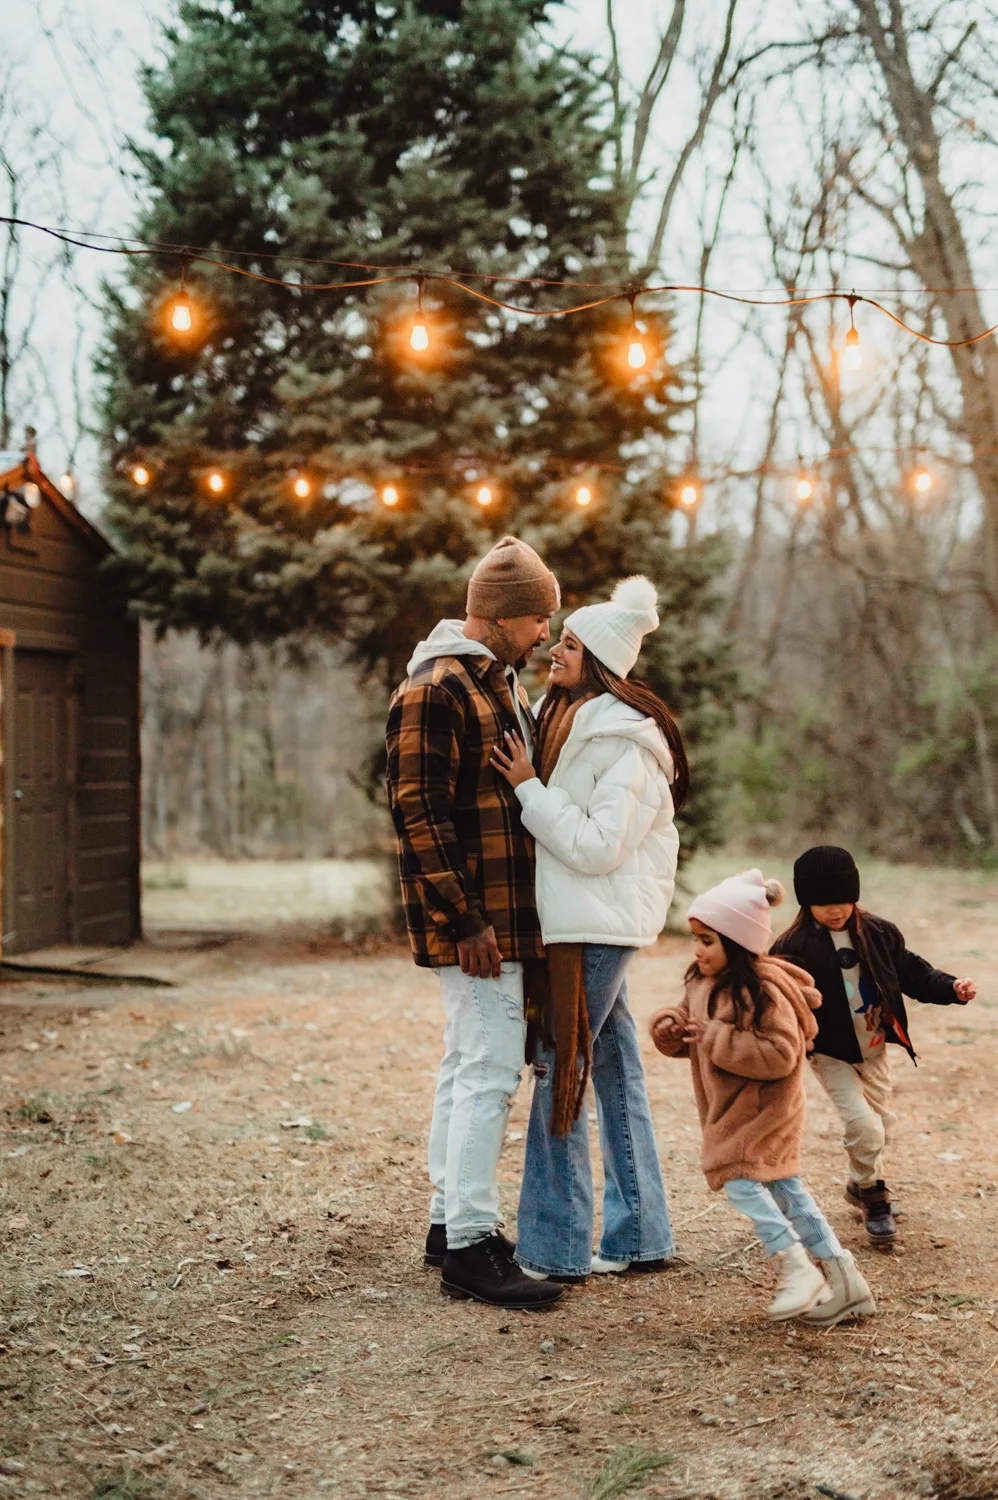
[512, 580]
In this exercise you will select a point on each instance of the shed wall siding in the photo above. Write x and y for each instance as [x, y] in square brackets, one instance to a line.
[52, 594]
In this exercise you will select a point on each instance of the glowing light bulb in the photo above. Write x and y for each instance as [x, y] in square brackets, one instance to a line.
[301, 487]
[141, 475]
[852, 354]
[637, 354]
[484, 496]
[805, 489]
[923, 481]
[216, 482]
[389, 495]
[67, 484]
[419, 338]
[689, 494]
[583, 495]
[182, 314]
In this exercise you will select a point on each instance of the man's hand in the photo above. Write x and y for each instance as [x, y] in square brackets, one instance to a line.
[479, 956]
[966, 990]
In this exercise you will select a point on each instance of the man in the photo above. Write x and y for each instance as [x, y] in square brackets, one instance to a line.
[467, 870]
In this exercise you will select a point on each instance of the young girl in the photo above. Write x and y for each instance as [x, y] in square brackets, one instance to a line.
[746, 1025]
[861, 967]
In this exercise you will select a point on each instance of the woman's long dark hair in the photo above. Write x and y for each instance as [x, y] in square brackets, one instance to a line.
[739, 975]
[637, 695]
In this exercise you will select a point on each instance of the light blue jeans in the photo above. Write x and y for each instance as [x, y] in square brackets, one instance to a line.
[484, 1035]
[555, 1220]
[783, 1213]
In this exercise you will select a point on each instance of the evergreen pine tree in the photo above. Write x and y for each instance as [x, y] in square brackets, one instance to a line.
[427, 135]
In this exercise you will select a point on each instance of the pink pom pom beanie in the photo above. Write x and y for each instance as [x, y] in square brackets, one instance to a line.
[738, 908]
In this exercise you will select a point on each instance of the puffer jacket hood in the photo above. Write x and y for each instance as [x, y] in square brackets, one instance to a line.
[446, 639]
[607, 846]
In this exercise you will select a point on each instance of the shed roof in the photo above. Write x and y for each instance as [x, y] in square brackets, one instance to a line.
[23, 468]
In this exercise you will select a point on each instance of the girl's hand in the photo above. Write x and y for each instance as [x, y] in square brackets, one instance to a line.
[512, 761]
[966, 990]
[693, 1032]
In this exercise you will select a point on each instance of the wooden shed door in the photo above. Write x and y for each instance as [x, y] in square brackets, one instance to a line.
[41, 802]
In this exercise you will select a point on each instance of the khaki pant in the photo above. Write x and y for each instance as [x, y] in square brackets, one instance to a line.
[861, 1092]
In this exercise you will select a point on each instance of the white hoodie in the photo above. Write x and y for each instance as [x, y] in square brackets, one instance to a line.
[607, 846]
[448, 639]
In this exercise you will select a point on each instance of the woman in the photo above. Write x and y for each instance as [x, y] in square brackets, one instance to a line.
[610, 769]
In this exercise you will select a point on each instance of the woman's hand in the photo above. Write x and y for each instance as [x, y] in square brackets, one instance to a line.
[966, 990]
[512, 760]
[693, 1033]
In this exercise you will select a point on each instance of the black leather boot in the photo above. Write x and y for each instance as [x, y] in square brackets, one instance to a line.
[878, 1215]
[436, 1245]
[487, 1272]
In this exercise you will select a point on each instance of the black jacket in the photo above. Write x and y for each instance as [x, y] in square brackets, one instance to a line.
[895, 972]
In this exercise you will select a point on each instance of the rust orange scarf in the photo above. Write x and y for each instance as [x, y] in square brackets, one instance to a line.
[561, 1017]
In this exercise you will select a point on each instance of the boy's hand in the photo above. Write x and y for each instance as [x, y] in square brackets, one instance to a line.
[966, 990]
[693, 1032]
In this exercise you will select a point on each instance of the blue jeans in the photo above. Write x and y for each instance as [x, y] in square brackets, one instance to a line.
[555, 1220]
[783, 1213]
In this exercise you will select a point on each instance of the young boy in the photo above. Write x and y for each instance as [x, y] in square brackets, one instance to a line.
[862, 968]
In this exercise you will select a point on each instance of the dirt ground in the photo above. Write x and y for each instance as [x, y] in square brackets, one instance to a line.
[212, 1208]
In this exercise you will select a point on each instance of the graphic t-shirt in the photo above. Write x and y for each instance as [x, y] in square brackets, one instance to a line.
[861, 993]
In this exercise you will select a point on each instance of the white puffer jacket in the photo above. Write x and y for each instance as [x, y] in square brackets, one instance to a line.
[606, 843]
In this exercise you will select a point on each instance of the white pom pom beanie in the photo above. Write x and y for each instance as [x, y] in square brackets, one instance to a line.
[613, 632]
[738, 908]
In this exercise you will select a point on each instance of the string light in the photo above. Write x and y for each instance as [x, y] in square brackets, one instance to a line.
[484, 496]
[141, 476]
[419, 338]
[923, 481]
[301, 487]
[216, 481]
[852, 354]
[67, 484]
[181, 313]
[805, 489]
[689, 495]
[583, 495]
[389, 496]
[637, 354]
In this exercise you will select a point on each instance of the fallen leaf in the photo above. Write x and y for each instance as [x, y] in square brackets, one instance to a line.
[181, 1109]
[926, 1317]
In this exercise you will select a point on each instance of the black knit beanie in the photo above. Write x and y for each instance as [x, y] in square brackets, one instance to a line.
[826, 876]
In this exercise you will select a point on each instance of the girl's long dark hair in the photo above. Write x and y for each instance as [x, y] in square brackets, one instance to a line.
[739, 975]
[640, 696]
[855, 927]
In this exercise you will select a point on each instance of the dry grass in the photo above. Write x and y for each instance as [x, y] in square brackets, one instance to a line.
[201, 1298]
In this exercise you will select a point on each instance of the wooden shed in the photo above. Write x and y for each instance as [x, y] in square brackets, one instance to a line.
[69, 726]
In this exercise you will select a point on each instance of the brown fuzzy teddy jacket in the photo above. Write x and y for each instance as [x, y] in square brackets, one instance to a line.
[748, 1080]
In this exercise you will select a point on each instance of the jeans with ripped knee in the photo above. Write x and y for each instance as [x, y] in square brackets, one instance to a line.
[555, 1220]
[484, 1034]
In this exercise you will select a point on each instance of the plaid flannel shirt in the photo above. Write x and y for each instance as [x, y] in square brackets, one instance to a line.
[465, 859]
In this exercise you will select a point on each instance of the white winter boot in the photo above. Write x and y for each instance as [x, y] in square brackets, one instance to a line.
[799, 1284]
[850, 1295]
